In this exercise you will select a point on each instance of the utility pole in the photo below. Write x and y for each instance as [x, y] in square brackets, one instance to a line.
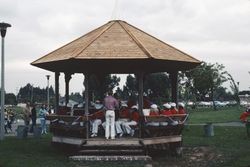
[47, 76]
[3, 29]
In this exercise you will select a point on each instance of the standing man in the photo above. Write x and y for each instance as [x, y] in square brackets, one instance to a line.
[33, 117]
[110, 104]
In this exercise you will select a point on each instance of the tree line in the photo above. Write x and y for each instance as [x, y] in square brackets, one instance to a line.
[203, 83]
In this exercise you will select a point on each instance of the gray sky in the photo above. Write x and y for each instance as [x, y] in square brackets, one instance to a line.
[210, 30]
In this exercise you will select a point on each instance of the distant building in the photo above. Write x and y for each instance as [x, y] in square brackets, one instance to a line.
[245, 99]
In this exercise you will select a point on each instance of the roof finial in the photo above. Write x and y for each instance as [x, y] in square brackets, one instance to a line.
[115, 11]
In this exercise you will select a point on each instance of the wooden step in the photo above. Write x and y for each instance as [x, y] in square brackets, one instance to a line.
[110, 158]
[105, 151]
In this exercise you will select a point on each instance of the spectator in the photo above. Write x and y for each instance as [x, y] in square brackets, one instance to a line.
[33, 117]
[244, 115]
[42, 115]
[26, 114]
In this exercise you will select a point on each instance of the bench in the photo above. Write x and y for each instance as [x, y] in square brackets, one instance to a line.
[164, 130]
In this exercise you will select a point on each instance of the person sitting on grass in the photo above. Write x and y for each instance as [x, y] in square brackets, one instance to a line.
[244, 115]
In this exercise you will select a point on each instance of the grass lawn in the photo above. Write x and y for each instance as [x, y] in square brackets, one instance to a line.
[225, 114]
[31, 152]
[231, 142]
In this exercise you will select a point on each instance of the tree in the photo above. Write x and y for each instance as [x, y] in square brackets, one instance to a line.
[77, 97]
[99, 84]
[157, 87]
[234, 88]
[205, 79]
[34, 94]
[10, 98]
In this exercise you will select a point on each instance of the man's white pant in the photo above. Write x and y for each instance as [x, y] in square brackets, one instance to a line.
[110, 124]
[95, 124]
[126, 126]
[118, 125]
[152, 124]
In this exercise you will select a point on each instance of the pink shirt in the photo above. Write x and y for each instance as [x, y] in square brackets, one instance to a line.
[110, 103]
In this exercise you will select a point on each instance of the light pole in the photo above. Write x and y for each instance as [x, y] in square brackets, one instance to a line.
[48, 91]
[3, 29]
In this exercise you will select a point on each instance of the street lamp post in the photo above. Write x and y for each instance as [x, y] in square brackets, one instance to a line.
[3, 29]
[48, 91]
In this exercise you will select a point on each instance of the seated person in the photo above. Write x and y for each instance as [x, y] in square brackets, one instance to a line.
[181, 109]
[170, 109]
[153, 112]
[166, 111]
[173, 108]
[123, 116]
[134, 119]
[244, 115]
[96, 120]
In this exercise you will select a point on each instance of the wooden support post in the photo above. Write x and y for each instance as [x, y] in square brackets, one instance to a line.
[86, 93]
[140, 101]
[57, 74]
[67, 79]
[174, 86]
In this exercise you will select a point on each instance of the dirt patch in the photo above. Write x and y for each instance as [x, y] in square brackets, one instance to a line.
[192, 157]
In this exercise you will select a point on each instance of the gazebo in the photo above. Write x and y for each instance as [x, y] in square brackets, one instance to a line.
[115, 47]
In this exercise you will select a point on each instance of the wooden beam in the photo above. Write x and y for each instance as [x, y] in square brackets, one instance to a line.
[86, 93]
[57, 74]
[140, 101]
[67, 79]
[68, 140]
[116, 142]
[111, 158]
[160, 140]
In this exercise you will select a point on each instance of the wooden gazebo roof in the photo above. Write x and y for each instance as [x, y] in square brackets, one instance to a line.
[116, 47]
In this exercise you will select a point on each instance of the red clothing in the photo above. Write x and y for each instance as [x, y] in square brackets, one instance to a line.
[174, 111]
[244, 115]
[181, 111]
[153, 113]
[135, 116]
[124, 113]
[166, 112]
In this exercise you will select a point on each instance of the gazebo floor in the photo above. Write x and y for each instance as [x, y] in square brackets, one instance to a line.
[129, 141]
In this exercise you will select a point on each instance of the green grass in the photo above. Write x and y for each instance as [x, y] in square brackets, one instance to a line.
[232, 142]
[204, 115]
[30, 152]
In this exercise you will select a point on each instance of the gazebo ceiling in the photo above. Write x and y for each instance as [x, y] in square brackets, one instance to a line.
[116, 47]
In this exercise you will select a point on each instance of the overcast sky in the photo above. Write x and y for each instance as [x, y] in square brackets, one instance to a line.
[210, 30]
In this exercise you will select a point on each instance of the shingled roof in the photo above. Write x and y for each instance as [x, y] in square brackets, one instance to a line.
[116, 43]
